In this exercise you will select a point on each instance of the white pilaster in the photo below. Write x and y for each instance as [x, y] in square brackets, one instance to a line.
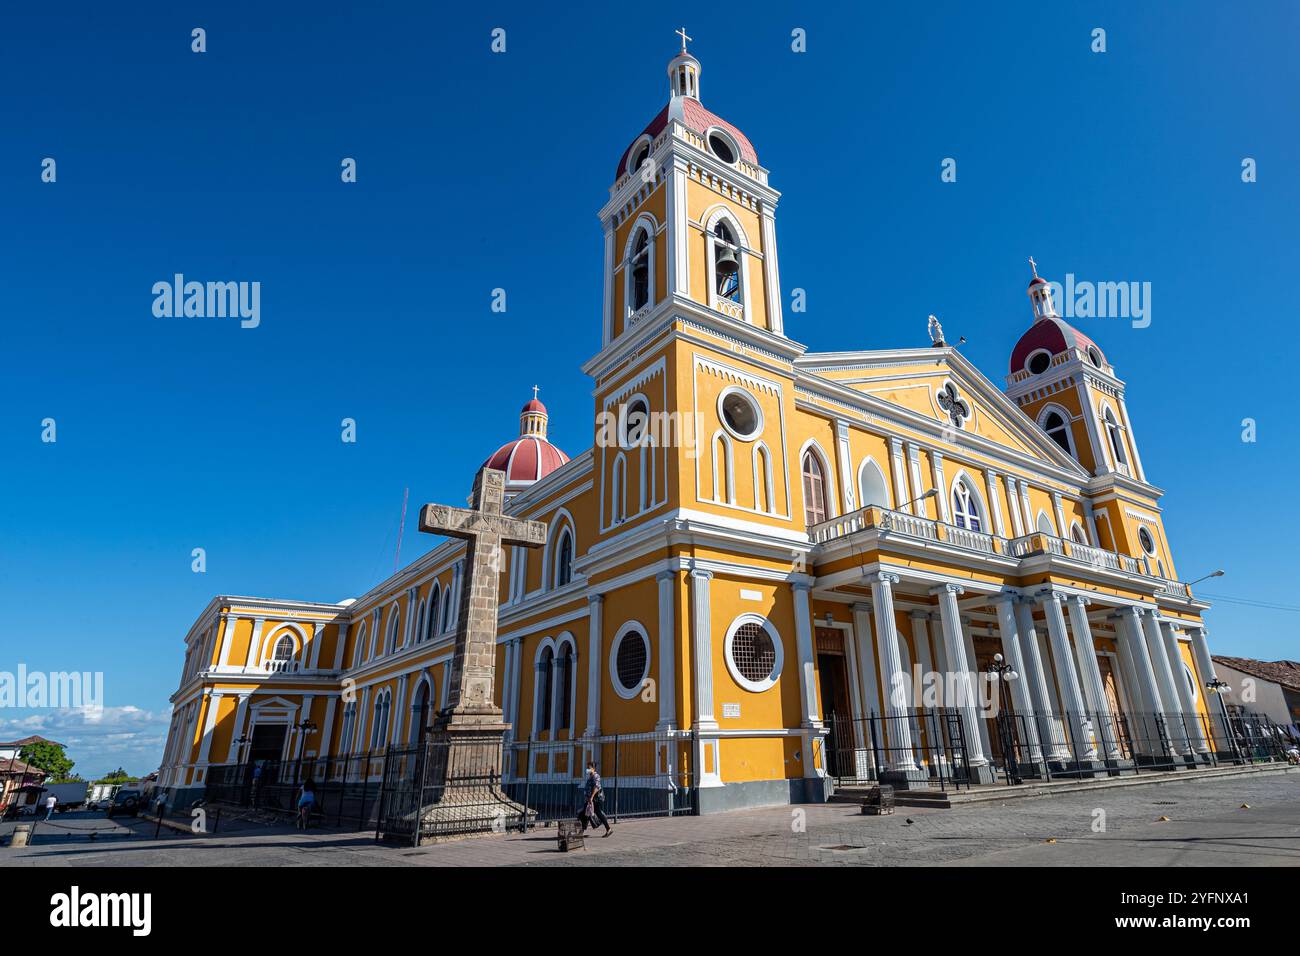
[991, 484]
[595, 603]
[1067, 676]
[771, 271]
[667, 652]
[1085, 651]
[1164, 680]
[941, 499]
[254, 643]
[901, 493]
[1192, 724]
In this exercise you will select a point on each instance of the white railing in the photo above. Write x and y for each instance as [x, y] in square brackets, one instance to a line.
[965, 538]
[280, 667]
[733, 310]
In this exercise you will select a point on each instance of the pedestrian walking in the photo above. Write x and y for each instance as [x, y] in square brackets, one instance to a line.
[306, 802]
[50, 801]
[593, 807]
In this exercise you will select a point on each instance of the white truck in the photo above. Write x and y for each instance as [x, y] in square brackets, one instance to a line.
[70, 796]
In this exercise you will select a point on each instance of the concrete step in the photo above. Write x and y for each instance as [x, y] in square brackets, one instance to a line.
[935, 799]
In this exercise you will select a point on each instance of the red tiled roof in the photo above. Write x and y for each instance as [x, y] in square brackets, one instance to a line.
[1055, 335]
[1286, 673]
[526, 459]
[696, 117]
[29, 740]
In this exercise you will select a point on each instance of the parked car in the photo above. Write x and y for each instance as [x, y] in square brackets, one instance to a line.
[126, 803]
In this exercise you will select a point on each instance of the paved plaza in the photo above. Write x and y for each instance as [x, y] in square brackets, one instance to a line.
[1207, 825]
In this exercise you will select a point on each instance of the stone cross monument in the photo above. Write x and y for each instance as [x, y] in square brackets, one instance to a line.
[460, 785]
[485, 530]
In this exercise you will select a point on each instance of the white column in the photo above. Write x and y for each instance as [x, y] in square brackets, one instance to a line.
[1193, 722]
[866, 660]
[1205, 664]
[847, 478]
[1164, 679]
[991, 482]
[901, 494]
[702, 682]
[1068, 678]
[1048, 731]
[1013, 502]
[941, 499]
[1090, 671]
[594, 628]
[771, 272]
[918, 487]
[667, 652]
[954, 646]
[898, 730]
[1019, 688]
[209, 725]
[967, 632]
[254, 643]
[678, 258]
[803, 635]
[1144, 694]
[516, 681]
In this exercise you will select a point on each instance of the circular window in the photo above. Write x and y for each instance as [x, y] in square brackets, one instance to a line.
[1038, 362]
[1094, 356]
[753, 652]
[636, 422]
[740, 413]
[722, 147]
[629, 660]
[1148, 543]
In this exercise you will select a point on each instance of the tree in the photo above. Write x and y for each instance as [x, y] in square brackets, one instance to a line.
[48, 756]
[117, 776]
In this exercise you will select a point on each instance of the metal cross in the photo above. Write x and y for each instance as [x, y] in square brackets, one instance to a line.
[1033, 265]
[682, 34]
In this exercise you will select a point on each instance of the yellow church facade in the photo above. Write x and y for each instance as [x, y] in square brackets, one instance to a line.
[762, 544]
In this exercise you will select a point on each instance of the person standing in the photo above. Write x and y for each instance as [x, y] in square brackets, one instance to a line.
[593, 808]
[306, 801]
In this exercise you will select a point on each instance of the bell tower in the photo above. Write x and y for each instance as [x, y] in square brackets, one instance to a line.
[690, 219]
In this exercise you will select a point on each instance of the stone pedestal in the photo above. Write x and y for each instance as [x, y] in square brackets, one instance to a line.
[461, 777]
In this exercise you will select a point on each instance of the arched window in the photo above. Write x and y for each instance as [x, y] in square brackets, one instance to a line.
[1058, 429]
[814, 490]
[965, 507]
[449, 600]
[724, 482]
[281, 654]
[618, 491]
[564, 559]
[566, 687]
[726, 263]
[420, 713]
[639, 265]
[1116, 439]
[1077, 535]
[544, 685]
[1045, 524]
[871, 483]
[431, 614]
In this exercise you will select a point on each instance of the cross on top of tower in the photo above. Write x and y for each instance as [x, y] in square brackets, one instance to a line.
[682, 33]
[534, 392]
[1033, 265]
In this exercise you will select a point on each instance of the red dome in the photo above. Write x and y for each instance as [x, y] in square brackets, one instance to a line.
[533, 406]
[1055, 335]
[693, 116]
[526, 460]
[1037, 280]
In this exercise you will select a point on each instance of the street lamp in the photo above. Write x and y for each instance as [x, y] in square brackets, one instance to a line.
[1002, 672]
[1218, 687]
[1206, 577]
[929, 494]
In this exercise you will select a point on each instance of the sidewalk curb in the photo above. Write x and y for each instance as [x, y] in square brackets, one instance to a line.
[1029, 790]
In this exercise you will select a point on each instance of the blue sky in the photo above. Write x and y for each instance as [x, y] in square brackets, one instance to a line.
[478, 171]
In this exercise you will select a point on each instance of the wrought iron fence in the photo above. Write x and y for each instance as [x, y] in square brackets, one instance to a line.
[347, 788]
[934, 747]
[438, 789]
[927, 747]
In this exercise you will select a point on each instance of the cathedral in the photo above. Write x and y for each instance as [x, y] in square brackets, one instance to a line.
[760, 542]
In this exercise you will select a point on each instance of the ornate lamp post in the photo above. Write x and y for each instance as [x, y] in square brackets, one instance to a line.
[1218, 687]
[1002, 672]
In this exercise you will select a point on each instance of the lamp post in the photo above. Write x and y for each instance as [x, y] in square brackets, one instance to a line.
[1206, 577]
[929, 494]
[1218, 687]
[1002, 672]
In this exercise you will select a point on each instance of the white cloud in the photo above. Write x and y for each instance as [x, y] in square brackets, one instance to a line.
[98, 739]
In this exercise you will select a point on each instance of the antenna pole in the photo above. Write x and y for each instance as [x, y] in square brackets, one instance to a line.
[397, 558]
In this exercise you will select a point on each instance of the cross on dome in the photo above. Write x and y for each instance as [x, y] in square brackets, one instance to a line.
[1033, 265]
[534, 392]
[682, 34]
